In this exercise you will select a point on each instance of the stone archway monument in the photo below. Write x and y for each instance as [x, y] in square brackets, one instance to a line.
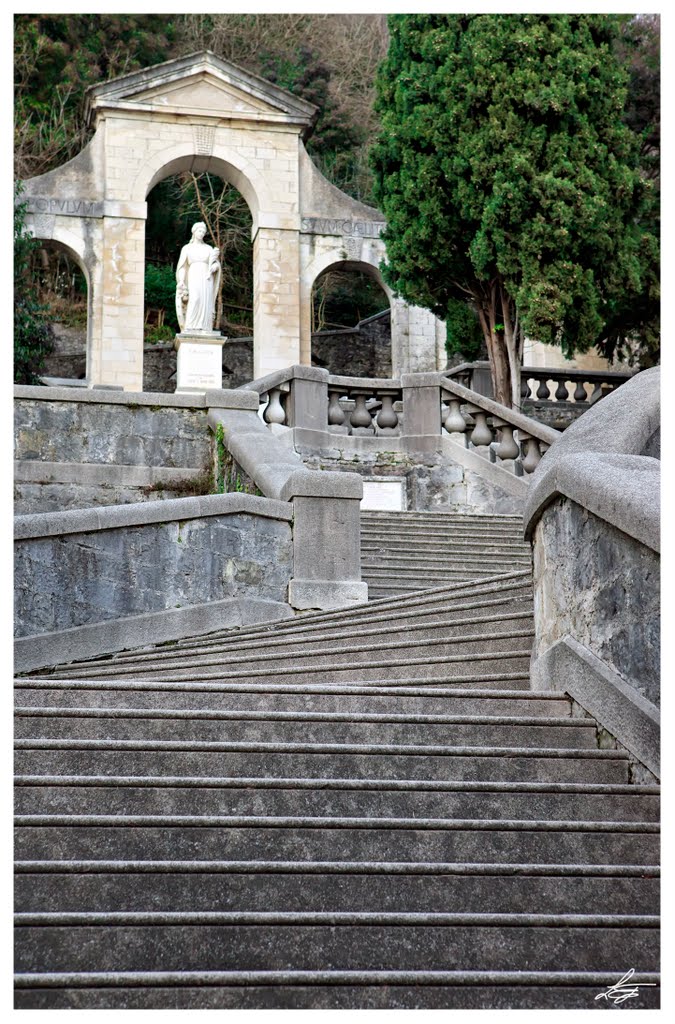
[202, 113]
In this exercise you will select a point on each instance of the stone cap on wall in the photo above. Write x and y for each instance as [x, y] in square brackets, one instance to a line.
[112, 517]
[599, 462]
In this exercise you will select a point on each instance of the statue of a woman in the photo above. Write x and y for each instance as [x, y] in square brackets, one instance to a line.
[197, 282]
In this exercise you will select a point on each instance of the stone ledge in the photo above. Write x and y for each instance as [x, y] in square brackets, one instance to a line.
[110, 517]
[35, 471]
[611, 700]
[217, 399]
[48, 649]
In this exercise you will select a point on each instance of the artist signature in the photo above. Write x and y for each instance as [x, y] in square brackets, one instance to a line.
[624, 989]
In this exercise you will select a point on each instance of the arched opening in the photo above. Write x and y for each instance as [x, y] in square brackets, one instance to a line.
[351, 321]
[175, 202]
[61, 284]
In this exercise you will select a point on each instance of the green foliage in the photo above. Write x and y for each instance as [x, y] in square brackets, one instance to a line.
[463, 332]
[507, 175]
[33, 336]
[221, 456]
[56, 58]
[160, 292]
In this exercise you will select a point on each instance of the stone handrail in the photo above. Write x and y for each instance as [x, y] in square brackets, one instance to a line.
[479, 432]
[326, 507]
[601, 381]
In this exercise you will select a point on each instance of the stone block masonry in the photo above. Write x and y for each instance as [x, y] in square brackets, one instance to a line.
[133, 566]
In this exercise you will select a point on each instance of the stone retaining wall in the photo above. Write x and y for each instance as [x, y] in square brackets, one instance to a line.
[127, 566]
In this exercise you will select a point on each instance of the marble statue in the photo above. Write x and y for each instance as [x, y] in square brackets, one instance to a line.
[197, 283]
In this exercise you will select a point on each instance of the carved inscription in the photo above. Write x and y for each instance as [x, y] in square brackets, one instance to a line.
[326, 226]
[65, 207]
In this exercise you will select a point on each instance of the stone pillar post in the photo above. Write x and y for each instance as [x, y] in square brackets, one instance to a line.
[307, 403]
[276, 300]
[421, 428]
[327, 542]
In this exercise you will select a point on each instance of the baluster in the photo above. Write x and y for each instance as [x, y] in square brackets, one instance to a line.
[532, 453]
[580, 392]
[561, 394]
[597, 393]
[336, 414]
[508, 446]
[543, 391]
[387, 418]
[481, 434]
[274, 413]
[360, 418]
[524, 389]
[454, 421]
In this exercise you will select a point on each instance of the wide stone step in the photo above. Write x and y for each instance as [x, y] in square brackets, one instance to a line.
[303, 727]
[373, 761]
[441, 626]
[324, 990]
[448, 617]
[318, 656]
[441, 569]
[253, 941]
[288, 697]
[504, 663]
[338, 798]
[252, 836]
[324, 886]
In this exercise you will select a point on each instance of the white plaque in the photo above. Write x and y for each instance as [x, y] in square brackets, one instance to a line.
[383, 496]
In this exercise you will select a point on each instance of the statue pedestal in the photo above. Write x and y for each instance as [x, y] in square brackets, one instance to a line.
[200, 361]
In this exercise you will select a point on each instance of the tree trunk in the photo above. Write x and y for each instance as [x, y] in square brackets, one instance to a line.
[494, 340]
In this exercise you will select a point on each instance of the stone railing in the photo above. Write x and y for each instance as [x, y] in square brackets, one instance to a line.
[326, 505]
[360, 406]
[593, 516]
[507, 437]
[578, 387]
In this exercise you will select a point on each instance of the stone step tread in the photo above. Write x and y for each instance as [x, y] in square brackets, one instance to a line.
[348, 784]
[318, 761]
[440, 626]
[430, 666]
[339, 703]
[408, 618]
[224, 890]
[481, 644]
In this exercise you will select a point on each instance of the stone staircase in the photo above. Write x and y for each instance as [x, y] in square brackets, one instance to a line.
[402, 552]
[363, 808]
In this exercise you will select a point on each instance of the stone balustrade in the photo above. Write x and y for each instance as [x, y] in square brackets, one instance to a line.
[364, 406]
[502, 435]
[544, 384]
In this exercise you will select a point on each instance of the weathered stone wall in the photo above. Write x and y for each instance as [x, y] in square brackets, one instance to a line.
[111, 573]
[126, 434]
[93, 449]
[598, 585]
[433, 482]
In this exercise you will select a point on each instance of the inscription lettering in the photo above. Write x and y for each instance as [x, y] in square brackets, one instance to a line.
[67, 207]
[326, 226]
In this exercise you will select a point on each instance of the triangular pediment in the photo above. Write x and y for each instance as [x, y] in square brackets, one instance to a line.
[201, 84]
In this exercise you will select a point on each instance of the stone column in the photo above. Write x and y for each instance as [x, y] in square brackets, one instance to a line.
[421, 428]
[117, 352]
[276, 300]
